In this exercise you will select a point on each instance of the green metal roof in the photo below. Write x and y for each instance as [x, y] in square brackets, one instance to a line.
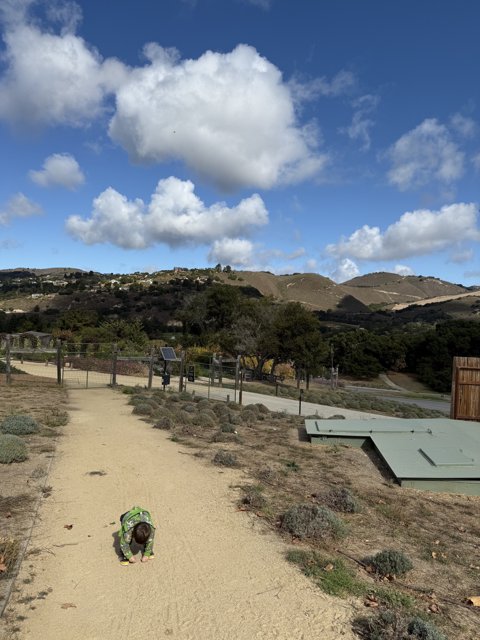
[428, 449]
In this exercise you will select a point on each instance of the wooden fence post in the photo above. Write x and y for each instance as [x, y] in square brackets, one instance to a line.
[59, 362]
[8, 371]
[114, 364]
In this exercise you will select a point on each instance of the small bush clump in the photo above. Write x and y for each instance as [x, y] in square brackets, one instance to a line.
[164, 423]
[312, 521]
[204, 419]
[390, 562]
[12, 449]
[253, 498]
[342, 500]
[391, 625]
[19, 425]
[228, 428]
[249, 417]
[143, 409]
[225, 458]
[423, 630]
[267, 474]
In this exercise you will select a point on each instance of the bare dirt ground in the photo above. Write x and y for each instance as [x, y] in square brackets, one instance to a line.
[218, 572]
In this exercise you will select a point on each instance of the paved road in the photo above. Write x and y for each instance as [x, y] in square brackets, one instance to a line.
[424, 403]
[77, 378]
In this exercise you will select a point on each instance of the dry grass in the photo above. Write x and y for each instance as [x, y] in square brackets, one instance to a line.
[22, 483]
[440, 533]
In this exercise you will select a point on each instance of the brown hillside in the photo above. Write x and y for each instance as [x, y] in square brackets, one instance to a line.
[391, 288]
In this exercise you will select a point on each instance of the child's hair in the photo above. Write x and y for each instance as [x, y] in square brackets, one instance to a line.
[141, 532]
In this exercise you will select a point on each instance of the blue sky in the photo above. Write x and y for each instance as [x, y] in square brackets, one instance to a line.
[338, 137]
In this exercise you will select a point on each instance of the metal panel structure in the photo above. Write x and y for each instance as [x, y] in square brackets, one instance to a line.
[436, 454]
[168, 354]
[465, 404]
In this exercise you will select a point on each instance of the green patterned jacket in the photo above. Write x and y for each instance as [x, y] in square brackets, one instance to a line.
[129, 520]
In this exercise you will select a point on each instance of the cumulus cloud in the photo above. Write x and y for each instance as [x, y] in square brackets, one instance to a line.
[175, 216]
[425, 154]
[476, 161]
[362, 123]
[339, 85]
[59, 170]
[50, 78]
[19, 206]
[233, 251]
[419, 232]
[403, 270]
[211, 113]
[345, 269]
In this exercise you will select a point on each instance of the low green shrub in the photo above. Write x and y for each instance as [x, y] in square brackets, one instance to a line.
[390, 562]
[393, 625]
[164, 423]
[253, 498]
[423, 630]
[56, 418]
[19, 425]
[249, 417]
[312, 521]
[12, 449]
[341, 500]
[262, 408]
[226, 427]
[143, 409]
[266, 474]
[225, 458]
[204, 419]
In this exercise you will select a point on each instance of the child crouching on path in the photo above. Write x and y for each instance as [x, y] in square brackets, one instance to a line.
[137, 525]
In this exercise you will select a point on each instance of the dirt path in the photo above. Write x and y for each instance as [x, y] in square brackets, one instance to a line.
[216, 576]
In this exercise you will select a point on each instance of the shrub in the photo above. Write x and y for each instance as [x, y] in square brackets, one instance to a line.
[143, 409]
[235, 418]
[19, 425]
[165, 423]
[342, 500]
[203, 403]
[418, 628]
[227, 428]
[12, 449]
[253, 498]
[189, 407]
[390, 562]
[262, 408]
[184, 395]
[391, 625]
[312, 521]
[204, 420]
[249, 417]
[251, 407]
[225, 458]
[220, 409]
[56, 418]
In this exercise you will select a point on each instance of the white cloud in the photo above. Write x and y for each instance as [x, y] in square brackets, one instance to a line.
[362, 124]
[476, 161]
[211, 113]
[59, 169]
[419, 232]
[175, 216]
[461, 256]
[232, 251]
[346, 269]
[311, 265]
[53, 79]
[263, 4]
[463, 125]
[19, 206]
[424, 154]
[403, 270]
[339, 85]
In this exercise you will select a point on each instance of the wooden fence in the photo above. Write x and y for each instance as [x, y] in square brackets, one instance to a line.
[465, 403]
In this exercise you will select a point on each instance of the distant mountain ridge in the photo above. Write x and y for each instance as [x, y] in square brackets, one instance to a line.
[370, 292]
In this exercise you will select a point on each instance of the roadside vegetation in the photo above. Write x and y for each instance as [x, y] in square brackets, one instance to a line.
[346, 524]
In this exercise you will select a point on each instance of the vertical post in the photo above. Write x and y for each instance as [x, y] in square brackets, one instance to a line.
[8, 371]
[182, 367]
[86, 379]
[150, 368]
[114, 364]
[59, 362]
[240, 393]
[300, 402]
[237, 369]
[220, 374]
